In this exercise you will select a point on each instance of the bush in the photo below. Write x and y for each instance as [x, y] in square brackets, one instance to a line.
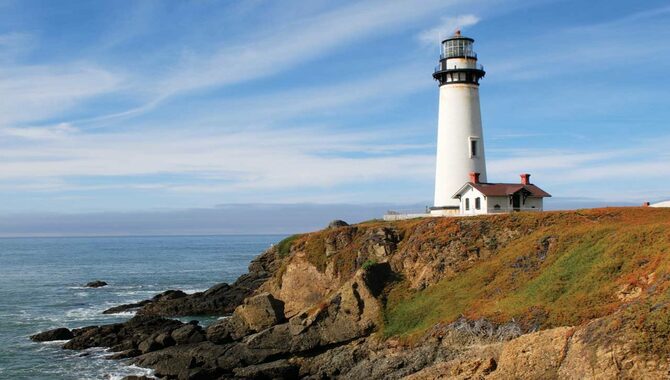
[284, 246]
[368, 264]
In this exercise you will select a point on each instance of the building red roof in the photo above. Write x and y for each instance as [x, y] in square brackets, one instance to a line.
[504, 189]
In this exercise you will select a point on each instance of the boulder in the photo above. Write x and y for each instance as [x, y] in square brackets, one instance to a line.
[261, 311]
[96, 284]
[534, 356]
[226, 330]
[149, 345]
[51, 335]
[125, 354]
[351, 313]
[280, 369]
[188, 333]
[122, 336]
[255, 314]
[337, 223]
[179, 361]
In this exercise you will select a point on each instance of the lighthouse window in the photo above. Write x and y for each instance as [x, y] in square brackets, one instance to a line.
[473, 148]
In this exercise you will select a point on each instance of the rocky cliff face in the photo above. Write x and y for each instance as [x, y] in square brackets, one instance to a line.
[579, 294]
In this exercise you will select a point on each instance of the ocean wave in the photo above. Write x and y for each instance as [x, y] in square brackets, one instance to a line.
[129, 371]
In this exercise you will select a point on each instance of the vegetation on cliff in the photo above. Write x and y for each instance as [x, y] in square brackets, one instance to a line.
[541, 270]
[568, 268]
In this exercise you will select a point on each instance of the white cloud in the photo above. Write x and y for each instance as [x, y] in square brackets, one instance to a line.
[58, 131]
[33, 93]
[245, 160]
[447, 27]
[273, 49]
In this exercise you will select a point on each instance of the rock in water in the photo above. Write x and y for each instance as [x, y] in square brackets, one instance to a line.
[96, 284]
[123, 336]
[221, 299]
[55, 334]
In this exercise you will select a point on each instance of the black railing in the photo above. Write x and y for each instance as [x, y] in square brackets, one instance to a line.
[442, 67]
[458, 55]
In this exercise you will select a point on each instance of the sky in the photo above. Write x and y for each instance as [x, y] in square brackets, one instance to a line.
[117, 111]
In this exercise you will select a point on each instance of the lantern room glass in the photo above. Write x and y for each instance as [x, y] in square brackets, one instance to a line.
[458, 48]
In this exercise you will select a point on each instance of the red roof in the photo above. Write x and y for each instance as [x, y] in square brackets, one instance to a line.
[505, 189]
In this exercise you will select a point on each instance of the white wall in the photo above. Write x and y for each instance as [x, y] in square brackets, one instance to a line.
[459, 120]
[472, 194]
[503, 202]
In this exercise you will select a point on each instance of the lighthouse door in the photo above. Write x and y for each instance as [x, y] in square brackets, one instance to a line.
[516, 201]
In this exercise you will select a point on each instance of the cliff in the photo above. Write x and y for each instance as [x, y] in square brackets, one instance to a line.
[579, 294]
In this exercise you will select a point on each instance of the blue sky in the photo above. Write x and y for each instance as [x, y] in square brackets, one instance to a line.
[123, 106]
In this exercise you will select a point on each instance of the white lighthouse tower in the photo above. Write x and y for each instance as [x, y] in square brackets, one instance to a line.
[460, 138]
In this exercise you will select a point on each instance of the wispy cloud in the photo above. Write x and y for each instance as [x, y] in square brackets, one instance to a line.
[447, 27]
[58, 131]
[599, 46]
[34, 93]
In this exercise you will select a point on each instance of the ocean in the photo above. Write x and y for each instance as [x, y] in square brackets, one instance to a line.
[41, 287]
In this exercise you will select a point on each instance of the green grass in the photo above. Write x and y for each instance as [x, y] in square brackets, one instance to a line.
[368, 264]
[577, 281]
[284, 246]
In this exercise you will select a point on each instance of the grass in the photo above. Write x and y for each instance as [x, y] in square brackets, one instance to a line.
[540, 269]
[284, 246]
[594, 253]
[368, 264]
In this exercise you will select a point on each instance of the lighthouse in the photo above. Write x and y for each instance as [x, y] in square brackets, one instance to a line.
[460, 138]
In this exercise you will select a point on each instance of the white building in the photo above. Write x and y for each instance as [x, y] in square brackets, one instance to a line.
[460, 138]
[477, 198]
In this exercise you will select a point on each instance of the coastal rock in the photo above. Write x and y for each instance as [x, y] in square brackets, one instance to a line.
[185, 361]
[255, 314]
[534, 356]
[51, 335]
[302, 285]
[126, 307]
[220, 299]
[351, 313]
[337, 223]
[96, 284]
[167, 295]
[280, 369]
[260, 312]
[187, 334]
[122, 336]
[226, 330]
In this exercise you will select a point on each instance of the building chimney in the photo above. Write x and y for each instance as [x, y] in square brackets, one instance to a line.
[525, 179]
[474, 177]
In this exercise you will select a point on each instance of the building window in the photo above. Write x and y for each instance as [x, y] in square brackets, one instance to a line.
[474, 147]
[478, 203]
[497, 207]
[467, 203]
